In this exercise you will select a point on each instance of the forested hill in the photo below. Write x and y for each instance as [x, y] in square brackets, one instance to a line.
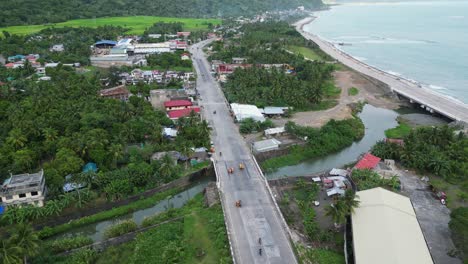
[28, 12]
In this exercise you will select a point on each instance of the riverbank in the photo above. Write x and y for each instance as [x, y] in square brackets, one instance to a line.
[432, 101]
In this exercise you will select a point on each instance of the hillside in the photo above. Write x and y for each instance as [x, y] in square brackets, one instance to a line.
[32, 12]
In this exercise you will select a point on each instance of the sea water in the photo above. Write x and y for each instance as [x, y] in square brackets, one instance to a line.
[426, 41]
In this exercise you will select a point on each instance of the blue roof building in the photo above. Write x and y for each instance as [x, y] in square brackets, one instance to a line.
[105, 43]
[90, 167]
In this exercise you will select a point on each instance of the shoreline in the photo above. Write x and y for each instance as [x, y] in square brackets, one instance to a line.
[412, 90]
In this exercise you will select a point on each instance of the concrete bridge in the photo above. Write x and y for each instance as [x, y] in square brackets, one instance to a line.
[259, 217]
[428, 99]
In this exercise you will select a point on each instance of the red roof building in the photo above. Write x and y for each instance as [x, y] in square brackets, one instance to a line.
[369, 161]
[10, 65]
[176, 114]
[183, 34]
[229, 68]
[177, 105]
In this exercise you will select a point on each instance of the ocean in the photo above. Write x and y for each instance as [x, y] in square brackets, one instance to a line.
[425, 41]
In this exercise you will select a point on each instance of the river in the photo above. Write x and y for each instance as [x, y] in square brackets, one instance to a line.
[376, 121]
[96, 231]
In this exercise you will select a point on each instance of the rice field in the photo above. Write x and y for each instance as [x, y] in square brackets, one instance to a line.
[136, 24]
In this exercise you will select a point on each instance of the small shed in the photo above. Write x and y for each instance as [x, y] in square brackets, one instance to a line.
[338, 172]
[90, 167]
[274, 131]
[266, 145]
[274, 111]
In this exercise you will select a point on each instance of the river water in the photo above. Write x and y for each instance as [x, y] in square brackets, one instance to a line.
[96, 231]
[426, 41]
[376, 121]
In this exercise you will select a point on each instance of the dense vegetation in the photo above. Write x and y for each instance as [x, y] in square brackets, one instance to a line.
[459, 228]
[249, 125]
[263, 87]
[332, 137]
[76, 42]
[191, 234]
[437, 150]
[62, 124]
[167, 60]
[51, 11]
[298, 83]
[368, 179]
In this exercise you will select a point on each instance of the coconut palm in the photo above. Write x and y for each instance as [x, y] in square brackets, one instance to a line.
[350, 201]
[337, 212]
[9, 253]
[16, 138]
[25, 238]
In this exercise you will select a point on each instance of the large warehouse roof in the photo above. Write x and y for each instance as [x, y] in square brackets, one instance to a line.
[385, 230]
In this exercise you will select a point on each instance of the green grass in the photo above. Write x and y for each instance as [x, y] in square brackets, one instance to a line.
[319, 256]
[353, 91]
[306, 52]
[331, 90]
[323, 105]
[198, 237]
[400, 131]
[136, 24]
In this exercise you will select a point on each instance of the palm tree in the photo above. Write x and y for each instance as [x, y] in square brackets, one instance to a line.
[25, 238]
[9, 253]
[350, 201]
[49, 134]
[116, 152]
[337, 212]
[16, 138]
[167, 166]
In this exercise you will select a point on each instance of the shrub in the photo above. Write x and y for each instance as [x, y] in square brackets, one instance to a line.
[65, 244]
[121, 228]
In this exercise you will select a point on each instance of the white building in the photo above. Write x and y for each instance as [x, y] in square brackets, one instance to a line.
[24, 189]
[243, 111]
[151, 48]
[266, 145]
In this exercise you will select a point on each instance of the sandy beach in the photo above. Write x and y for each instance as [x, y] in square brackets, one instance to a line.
[433, 101]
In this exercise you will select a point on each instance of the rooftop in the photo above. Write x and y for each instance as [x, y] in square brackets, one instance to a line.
[385, 228]
[177, 103]
[114, 91]
[24, 179]
[369, 161]
[175, 114]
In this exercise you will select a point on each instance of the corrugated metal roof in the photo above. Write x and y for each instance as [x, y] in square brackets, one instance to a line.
[386, 231]
[369, 161]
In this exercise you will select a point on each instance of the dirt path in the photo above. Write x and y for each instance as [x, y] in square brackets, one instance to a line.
[368, 91]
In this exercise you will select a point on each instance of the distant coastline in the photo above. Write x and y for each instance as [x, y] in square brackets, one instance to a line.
[433, 101]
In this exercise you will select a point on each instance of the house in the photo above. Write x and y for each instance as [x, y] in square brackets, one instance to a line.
[169, 132]
[385, 228]
[183, 34]
[238, 60]
[24, 189]
[137, 73]
[212, 35]
[154, 35]
[338, 172]
[266, 145]
[177, 104]
[185, 56]
[369, 161]
[51, 65]
[230, 68]
[174, 155]
[215, 64]
[119, 92]
[274, 131]
[41, 71]
[271, 111]
[71, 185]
[14, 58]
[176, 114]
[243, 111]
[57, 48]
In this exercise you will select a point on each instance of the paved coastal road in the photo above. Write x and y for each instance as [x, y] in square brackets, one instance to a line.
[258, 217]
[444, 105]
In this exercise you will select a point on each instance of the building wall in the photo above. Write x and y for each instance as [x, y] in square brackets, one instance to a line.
[29, 199]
